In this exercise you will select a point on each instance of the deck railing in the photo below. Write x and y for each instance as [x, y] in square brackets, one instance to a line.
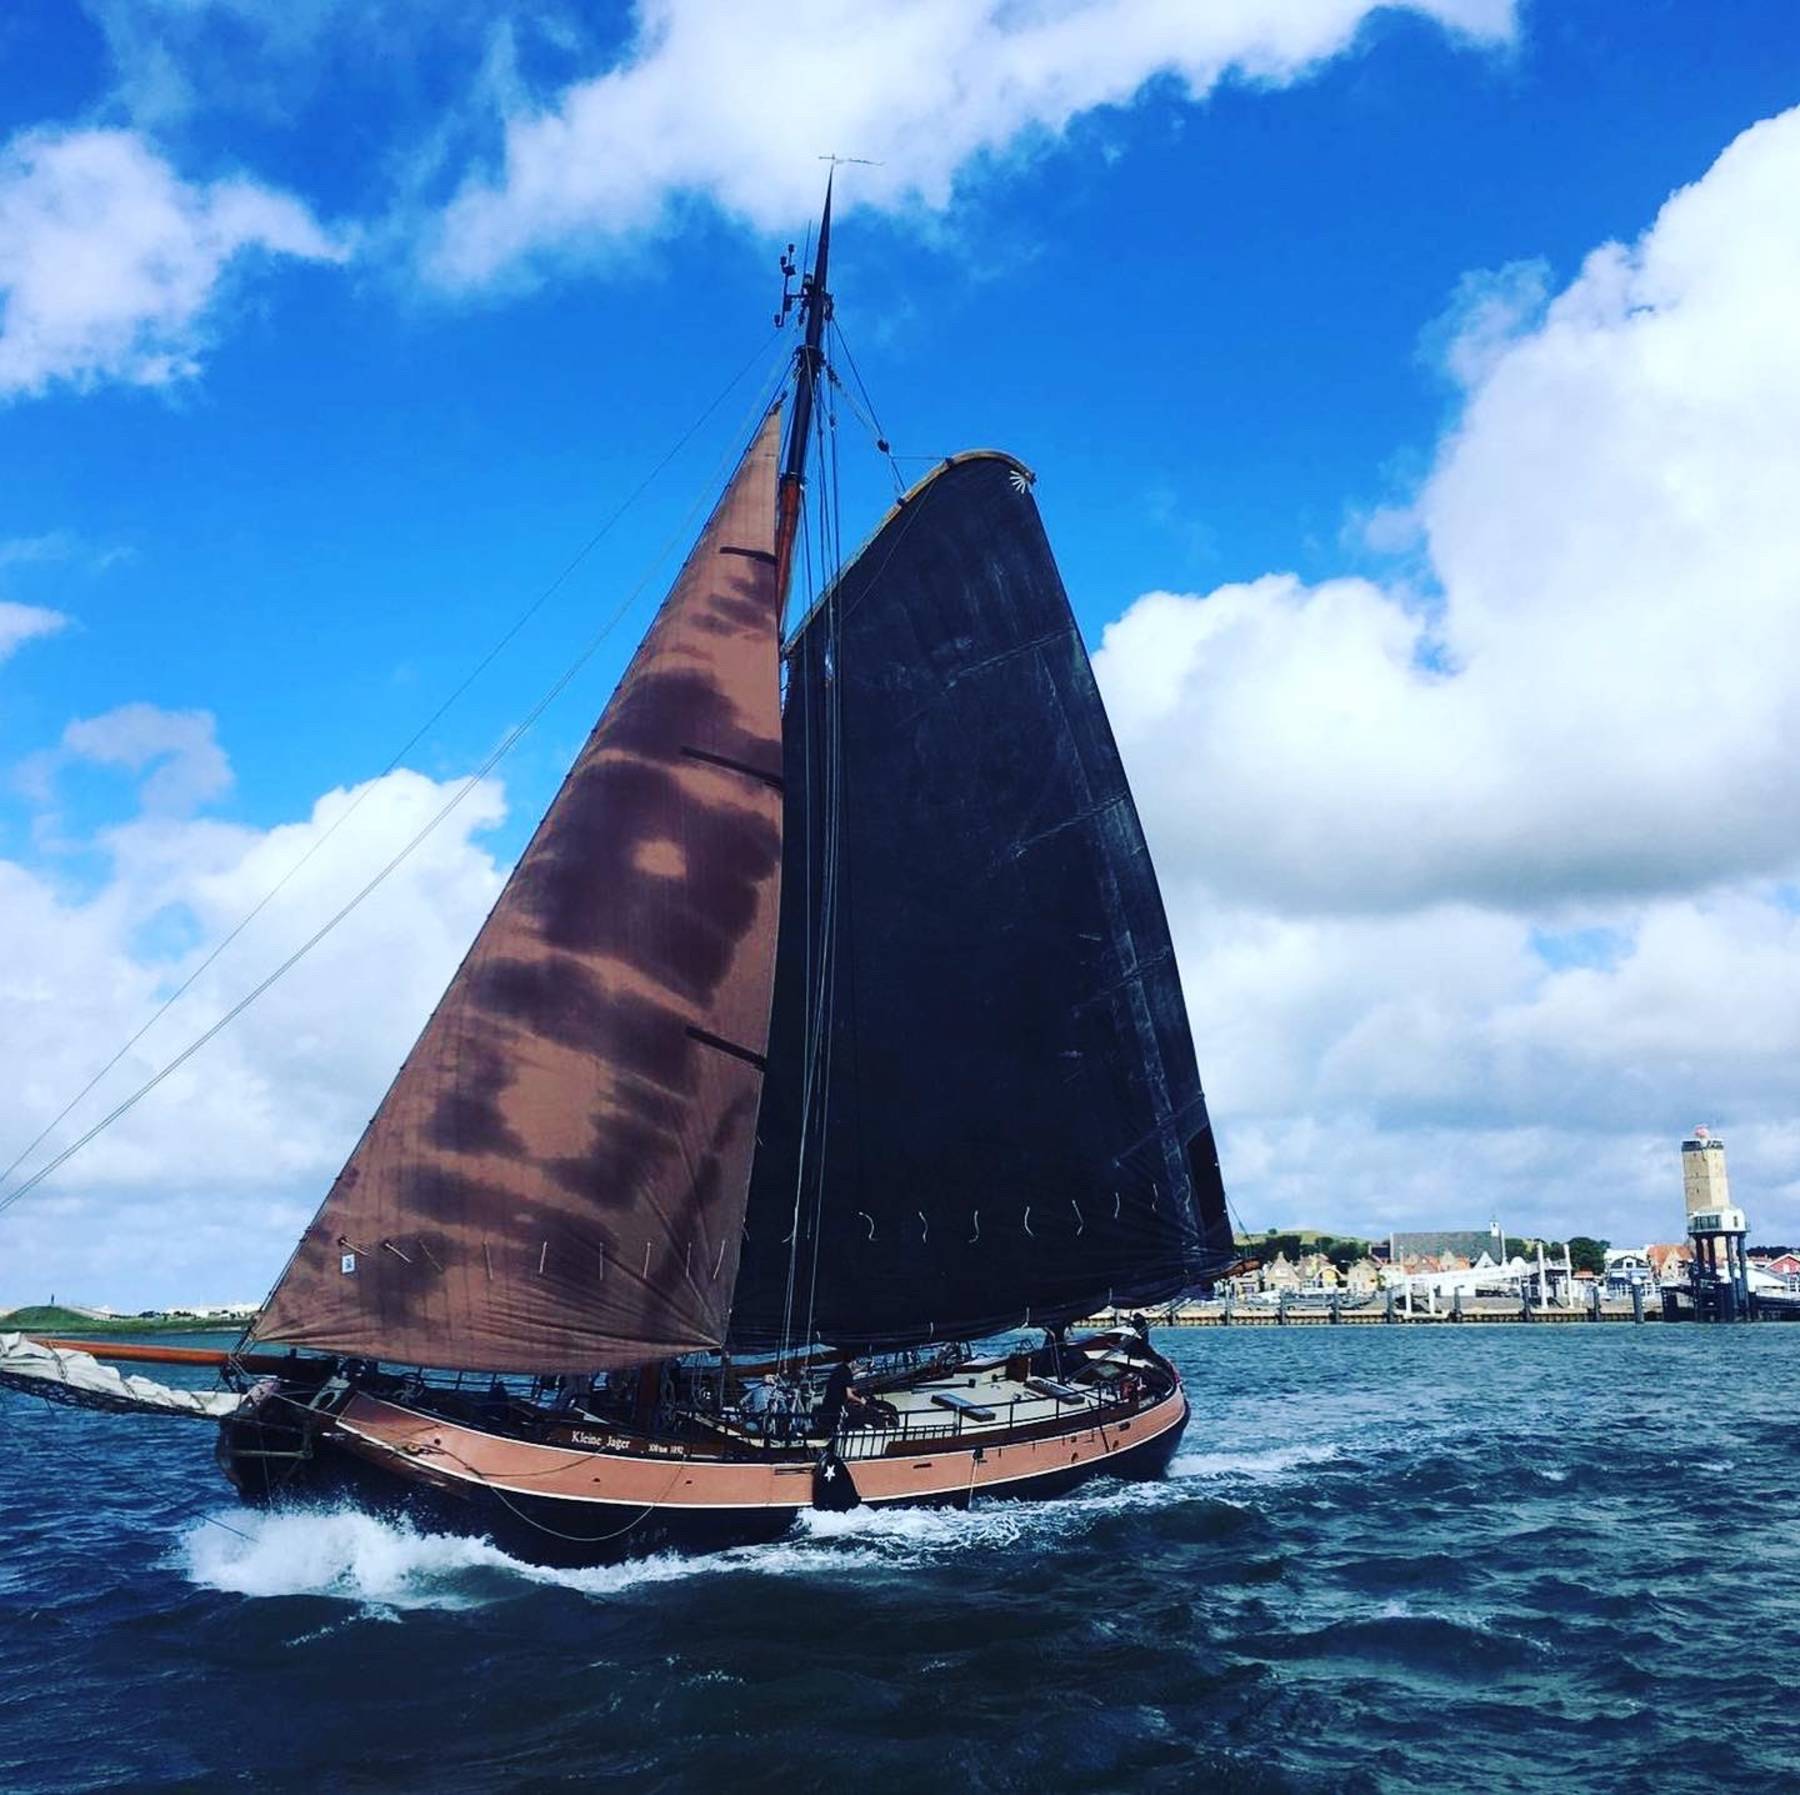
[696, 1394]
[877, 1442]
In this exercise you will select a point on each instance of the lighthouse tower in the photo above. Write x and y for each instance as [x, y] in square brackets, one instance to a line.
[1721, 1286]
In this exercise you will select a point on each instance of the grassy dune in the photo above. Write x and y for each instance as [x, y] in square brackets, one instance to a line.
[53, 1318]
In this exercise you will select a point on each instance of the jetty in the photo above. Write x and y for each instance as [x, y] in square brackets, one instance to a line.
[1387, 1308]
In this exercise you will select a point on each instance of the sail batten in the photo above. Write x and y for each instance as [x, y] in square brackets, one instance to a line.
[982, 1084]
[556, 1179]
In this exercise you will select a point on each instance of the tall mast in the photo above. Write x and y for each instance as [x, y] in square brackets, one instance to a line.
[809, 368]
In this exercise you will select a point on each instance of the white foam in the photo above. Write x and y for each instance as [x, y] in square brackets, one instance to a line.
[1254, 1467]
[917, 1535]
[912, 1533]
[387, 1566]
[350, 1556]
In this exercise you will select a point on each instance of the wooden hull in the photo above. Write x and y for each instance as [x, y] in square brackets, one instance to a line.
[601, 1496]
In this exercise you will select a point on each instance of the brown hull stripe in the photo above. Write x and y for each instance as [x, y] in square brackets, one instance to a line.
[417, 1446]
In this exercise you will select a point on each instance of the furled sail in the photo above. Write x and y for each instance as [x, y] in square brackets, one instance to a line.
[983, 1108]
[556, 1179]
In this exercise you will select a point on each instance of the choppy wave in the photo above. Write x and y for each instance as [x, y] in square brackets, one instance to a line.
[345, 1554]
[1382, 1561]
[351, 1556]
[1270, 1463]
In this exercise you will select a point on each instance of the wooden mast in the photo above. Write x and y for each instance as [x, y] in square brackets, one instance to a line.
[809, 368]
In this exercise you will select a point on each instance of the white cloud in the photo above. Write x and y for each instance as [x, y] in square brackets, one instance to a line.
[1478, 881]
[111, 263]
[1375, 1071]
[1486, 315]
[188, 767]
[1601, 700]
[272, 60]
[63, 546]
[178, 749]
[200, 1191]
[737, 101]
[53, 545]
[20, 624]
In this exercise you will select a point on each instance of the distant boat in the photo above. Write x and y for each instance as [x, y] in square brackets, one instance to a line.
[808, 1045]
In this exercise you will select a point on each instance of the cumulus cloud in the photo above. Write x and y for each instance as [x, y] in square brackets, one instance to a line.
[111, 264]
[735, 102]
[20, 624]
[1483, 880]
[200, 1192]
[1592, 697]
[1379, 1071]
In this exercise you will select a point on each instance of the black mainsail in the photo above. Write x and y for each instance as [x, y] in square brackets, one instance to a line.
[983, 1108]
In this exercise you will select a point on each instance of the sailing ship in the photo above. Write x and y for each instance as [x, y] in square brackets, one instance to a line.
[828, 1027]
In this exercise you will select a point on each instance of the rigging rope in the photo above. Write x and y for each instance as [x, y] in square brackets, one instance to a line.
[831, 550]
[865, 413]
[822, 974]
[418, 735]
[507, 743]
[813, 976]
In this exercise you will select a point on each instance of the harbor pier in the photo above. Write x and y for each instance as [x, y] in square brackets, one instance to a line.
[1298, 1311]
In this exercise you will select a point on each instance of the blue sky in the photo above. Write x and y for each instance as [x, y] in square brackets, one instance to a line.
[1232, 299]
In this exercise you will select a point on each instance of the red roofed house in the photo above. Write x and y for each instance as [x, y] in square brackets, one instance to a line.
[1670, 1262]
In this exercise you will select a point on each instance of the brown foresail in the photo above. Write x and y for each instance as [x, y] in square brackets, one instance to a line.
[556, 1179]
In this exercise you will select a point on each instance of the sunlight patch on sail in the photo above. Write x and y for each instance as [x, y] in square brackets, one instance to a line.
[662, 859]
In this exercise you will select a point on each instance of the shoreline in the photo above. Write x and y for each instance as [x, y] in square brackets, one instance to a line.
[111, 1330]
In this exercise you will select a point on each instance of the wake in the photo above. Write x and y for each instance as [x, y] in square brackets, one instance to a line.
[389, 1566]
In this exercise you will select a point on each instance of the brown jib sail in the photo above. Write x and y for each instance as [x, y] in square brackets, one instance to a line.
[556, 1179]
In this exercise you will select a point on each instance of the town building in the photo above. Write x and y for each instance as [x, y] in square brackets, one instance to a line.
[1318, 1273]
[1670, 1261]
[1427, 1249]
[1281, 1273]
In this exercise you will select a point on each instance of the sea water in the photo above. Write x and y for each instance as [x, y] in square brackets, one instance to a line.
[1491, 1558]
